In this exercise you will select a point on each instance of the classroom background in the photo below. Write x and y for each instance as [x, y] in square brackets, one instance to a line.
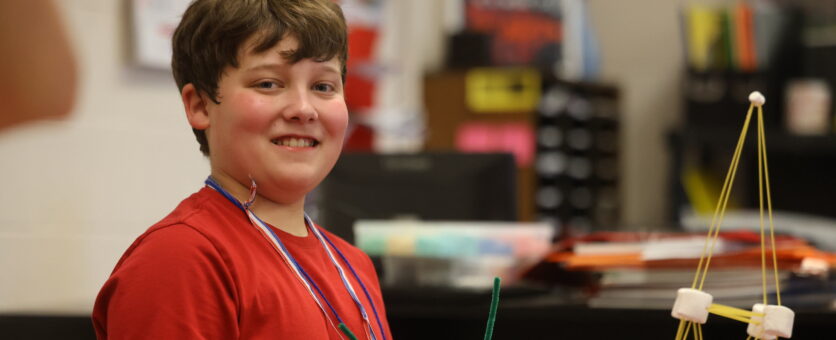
[593, 126]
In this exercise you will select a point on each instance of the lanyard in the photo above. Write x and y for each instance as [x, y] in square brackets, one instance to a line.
[299, 271]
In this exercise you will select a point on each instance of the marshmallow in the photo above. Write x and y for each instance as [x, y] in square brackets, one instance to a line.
[692, 305]
[756, 330]
[757, 98]
[776, 322]
[814, 267]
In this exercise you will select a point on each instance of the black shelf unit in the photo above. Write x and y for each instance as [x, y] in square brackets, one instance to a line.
[578, 133]
[802, 169]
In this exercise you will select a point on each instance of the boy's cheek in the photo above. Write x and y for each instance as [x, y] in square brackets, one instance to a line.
[339, 122]
[252, 113]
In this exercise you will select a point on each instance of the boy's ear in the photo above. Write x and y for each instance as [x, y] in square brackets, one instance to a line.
[195, 106]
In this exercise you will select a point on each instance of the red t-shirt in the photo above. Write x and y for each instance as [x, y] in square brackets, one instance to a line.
[204, 272]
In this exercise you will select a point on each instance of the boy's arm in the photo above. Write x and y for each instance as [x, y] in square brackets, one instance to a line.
[173, 285]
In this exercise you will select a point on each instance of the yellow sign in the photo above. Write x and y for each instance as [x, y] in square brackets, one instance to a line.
[498, 90]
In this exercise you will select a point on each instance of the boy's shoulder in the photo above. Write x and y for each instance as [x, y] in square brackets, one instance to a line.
[195, 223]
[199, 205]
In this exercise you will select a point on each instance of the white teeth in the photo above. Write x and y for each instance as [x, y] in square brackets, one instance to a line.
[294, 142]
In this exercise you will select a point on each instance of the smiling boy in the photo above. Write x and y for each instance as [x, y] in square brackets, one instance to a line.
[262, 86]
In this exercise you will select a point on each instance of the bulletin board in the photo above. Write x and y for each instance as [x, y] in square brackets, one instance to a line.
[152, 25]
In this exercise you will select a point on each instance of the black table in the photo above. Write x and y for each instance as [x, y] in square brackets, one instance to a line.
[456, 314]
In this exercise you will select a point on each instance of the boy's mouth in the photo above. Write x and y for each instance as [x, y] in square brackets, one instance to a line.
[295, 142]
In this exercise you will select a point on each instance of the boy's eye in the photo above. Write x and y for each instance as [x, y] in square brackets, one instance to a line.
[267, 85]
[323, 87]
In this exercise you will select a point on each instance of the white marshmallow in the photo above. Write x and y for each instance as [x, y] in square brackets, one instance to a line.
[776, 322]
[814, 266]
[692, 305]
[757, 98]
[756, 330]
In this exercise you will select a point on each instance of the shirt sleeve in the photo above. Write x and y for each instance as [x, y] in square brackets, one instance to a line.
[172, 284]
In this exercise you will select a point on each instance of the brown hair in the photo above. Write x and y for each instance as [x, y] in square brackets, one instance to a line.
[209, 37]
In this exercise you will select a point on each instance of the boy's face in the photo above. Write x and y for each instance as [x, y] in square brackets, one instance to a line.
[281, 123]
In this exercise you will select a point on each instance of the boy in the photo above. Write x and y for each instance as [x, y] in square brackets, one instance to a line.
[262, 86]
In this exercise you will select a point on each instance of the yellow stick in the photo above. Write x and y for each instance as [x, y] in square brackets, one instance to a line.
[699, 332]
[769, 208]
[696, 332]
[731, 310]
[723, 193]
[721, 206]
[679, 330]
[760, 205]
[687, 329]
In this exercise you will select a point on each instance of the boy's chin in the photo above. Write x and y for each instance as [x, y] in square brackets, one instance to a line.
[287, 189]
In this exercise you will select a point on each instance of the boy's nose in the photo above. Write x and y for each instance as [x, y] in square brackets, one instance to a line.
[301, 108]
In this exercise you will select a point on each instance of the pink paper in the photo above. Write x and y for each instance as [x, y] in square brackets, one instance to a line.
[514, 138]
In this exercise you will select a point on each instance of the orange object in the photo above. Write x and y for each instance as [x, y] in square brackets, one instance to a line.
[745, 37]
[790, 252]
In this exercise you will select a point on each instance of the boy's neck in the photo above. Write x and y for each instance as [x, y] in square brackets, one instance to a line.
[289, 218]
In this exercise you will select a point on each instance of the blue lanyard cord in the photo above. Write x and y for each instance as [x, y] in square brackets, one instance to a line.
[214, 185]
[343, 277]
[357, 277]
[307, 277]
[304, 273]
